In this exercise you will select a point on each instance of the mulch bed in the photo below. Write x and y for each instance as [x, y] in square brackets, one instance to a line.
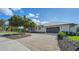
[16, 36]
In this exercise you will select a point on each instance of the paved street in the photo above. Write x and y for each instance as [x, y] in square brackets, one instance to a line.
[36, 42]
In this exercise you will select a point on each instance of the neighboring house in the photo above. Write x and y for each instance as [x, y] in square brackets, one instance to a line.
[39, 28]
[57, 27]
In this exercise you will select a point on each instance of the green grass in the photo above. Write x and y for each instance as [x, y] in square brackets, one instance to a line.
[74, 38]
[9, 33]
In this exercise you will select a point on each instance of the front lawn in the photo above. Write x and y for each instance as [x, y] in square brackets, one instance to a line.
[9, 33]
[74, 38]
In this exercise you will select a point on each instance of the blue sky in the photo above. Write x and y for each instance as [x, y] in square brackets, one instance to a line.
[43, 15]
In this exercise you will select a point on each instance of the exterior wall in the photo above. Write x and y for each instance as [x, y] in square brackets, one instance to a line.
[42, 29]
[73, 29]
[64, 28]
[68, 28]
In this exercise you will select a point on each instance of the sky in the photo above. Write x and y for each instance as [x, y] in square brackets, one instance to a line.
[43, 15]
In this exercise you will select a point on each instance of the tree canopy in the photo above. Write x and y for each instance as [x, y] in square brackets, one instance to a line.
[1, 22]
[17, 21]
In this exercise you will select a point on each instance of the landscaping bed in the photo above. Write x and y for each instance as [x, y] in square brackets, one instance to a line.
[17, 36]
[14, 35]
[68, 43]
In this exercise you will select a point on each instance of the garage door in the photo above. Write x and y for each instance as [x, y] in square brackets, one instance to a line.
[53, 30]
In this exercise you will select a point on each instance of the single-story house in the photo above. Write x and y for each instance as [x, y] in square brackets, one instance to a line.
[56, 27]
[39, 28]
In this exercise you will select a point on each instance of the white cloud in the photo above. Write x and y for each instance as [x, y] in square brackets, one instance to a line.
[31, 15]
[36, 21]
[6, 11]
[43, 22]
[37, 14]
[34, 18]
[39, 22]
[16, 9]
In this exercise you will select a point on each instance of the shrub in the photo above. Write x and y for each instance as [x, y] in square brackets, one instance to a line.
[77, 33]
[67, 33]
[72, 34]
[21, 30]
[61, 35]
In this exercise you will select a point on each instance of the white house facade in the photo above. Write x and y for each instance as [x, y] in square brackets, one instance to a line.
[40, 28]
[57, 27]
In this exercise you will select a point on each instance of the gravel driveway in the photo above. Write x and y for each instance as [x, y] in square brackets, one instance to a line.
[36, 42]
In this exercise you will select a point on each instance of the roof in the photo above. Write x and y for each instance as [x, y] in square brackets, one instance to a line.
[58, 23]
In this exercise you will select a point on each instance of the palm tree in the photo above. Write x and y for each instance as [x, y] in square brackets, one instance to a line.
[26, 24]
[32, 26]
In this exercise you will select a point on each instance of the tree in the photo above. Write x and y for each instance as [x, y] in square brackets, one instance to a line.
[1, 25]
[32, 25]
[1, 22]
[15, 21]
[26, 23]
[18, 21]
